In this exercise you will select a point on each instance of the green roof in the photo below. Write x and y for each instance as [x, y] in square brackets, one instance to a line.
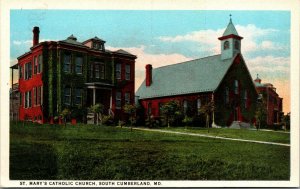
[230, 29]
[73, 41]
[200, 75]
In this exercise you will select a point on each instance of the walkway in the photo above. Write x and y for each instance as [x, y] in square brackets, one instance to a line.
[210, 136]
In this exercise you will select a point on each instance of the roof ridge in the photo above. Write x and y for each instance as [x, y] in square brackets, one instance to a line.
[186, 61]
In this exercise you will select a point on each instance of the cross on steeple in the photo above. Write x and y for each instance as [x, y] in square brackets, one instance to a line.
[230, 17]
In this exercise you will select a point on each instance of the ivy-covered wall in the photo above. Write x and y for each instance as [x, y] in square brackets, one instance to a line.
[225, 110]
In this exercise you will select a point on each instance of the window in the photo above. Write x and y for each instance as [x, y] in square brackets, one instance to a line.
[34, 96]
[236, 45]
[149, 109]
[160, 105]
[99, 71]
[27, 99]
[185, 106]
[28, 70]
[35, 65]
[236, 87]
[41, 95]
[67, 63]
[198, 105]
[118, 71]
[40, 61]
[38, 96]
[226, 45]
[227, 95]
[20, 72]
[245, 99]
[118, 100]
[102, 71]
[127, 72]
[127, 98]
[91, 70]
[67, 95]
[78, 96]
[78, 65]
[21, 99]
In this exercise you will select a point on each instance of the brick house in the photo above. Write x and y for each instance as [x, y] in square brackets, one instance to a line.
[272, 99]
[55, 75]
[223, 78]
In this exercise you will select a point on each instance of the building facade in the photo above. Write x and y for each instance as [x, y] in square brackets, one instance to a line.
[55, 75]
[223, 79]
[272, 101]
[14, 102]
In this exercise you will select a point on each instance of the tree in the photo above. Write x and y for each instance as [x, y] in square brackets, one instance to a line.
[97, 109]
[130, 110]
[285, 120]
[207, 110]
[261, 112]
[64, 114]
[171, 110]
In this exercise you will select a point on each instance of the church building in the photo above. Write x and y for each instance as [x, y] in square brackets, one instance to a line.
[223, 78]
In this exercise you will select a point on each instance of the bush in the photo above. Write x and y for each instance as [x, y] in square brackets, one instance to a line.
[107, 120]
[187, 121]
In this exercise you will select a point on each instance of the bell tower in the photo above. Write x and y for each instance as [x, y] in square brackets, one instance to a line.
[230, 42]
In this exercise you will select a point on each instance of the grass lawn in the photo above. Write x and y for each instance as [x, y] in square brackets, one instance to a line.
[260, 135]
[89, 152]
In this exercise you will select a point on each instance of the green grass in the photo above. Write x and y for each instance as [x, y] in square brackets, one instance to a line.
[90, 152]
[260, 135]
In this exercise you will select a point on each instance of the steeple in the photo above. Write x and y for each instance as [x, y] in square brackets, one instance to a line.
[230, 30]
[230, 41]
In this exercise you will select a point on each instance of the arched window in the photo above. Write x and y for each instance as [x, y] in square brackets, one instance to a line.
[237, 45]
[198, 105]
[226, 45]
[227, 95]
[185, 106]
[236, 87]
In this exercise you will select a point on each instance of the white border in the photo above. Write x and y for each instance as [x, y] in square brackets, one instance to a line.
[290, 5]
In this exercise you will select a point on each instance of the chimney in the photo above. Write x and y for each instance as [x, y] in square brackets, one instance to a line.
[36, 32]
[148, 75]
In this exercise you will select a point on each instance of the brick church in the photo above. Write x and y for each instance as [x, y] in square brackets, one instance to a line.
[55, 75]
[223, 78]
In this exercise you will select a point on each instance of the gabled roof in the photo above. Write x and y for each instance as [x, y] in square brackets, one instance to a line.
[121, 51]
[230, 30]
[200, 75]
[94, 39]
[72, 40]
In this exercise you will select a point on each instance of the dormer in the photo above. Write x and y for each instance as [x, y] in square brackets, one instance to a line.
[230, 42]
[95, 43]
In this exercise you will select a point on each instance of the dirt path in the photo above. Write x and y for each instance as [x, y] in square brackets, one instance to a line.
[210, 136]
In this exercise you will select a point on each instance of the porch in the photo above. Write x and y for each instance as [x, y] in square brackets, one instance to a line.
[99, 93]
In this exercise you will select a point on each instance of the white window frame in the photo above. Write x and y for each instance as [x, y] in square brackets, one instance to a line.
[127, 71]
[118, 71]
[127, 98]
[78, 64]
[118, 100]
[67, 95]
[236, 86]
[40, 65]
[67, 64]
[78, 97]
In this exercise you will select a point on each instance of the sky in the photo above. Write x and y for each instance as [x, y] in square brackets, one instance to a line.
[163, 37]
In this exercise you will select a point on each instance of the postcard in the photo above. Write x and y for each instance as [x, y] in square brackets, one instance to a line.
[149, 94]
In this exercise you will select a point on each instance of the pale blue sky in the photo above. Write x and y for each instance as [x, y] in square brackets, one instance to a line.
[166, 37]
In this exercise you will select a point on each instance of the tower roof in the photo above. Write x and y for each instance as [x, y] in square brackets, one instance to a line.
[230, 29]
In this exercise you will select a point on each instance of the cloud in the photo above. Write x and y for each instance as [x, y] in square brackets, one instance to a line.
[143, 58]
[208, 39]
[27, 42]
[269, 65]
